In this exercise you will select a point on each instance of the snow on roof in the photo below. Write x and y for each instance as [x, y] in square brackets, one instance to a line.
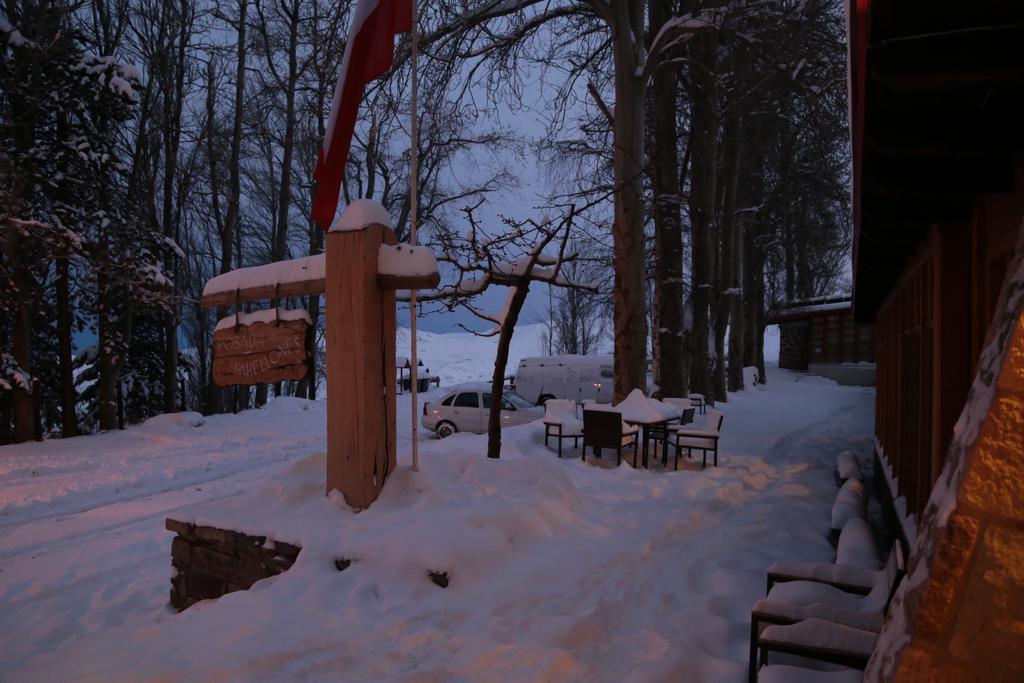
[265, 315]
[405, 259]
[277, 273]
[809, 309]
[361, 213]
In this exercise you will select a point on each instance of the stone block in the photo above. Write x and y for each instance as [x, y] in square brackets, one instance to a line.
[180, 528]
[249, 572]
[1011, 378]
[989, 629]
[286, 549]
[181, 552]
[203, 586]
[920, 665]
[213, 561]
[995, 474]
[933, 603]
[222, 539]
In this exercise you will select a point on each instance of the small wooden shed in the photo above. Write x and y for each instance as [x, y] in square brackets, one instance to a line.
[821, 331]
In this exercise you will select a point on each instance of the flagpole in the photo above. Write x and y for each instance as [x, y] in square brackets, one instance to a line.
[413, 218]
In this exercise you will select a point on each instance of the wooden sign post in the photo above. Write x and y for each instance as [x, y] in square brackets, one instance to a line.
[359, 275]
[361, 433]
[360, 324]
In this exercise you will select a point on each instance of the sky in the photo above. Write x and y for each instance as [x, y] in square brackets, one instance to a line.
[519, 203]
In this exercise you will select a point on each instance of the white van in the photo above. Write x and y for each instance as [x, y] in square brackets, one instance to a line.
[577, 377]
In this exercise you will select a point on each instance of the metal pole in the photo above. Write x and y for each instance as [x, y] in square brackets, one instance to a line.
[413, 218]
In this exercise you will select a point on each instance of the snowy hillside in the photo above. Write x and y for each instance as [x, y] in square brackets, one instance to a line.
[464, 357]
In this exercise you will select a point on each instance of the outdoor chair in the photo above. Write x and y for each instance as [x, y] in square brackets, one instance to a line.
[851, 503]
[847, 467]
[784, 673]
[855, 568]
[698, 402]
[704, 440]
[606, 429]
[820, 640]
[561, 422]
[683, 404]
[798, 601]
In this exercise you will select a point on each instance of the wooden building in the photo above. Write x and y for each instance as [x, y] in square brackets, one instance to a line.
[821, 332]
[937, 116]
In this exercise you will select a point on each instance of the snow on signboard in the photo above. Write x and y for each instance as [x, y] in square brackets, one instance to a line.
[279, 273]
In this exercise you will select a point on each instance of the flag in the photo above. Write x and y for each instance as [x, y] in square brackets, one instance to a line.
[368, 54]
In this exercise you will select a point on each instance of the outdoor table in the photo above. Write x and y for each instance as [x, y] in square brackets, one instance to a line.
[649, 428]
[652, 416]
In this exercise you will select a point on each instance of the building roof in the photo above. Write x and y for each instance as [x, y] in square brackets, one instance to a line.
[935, 110]
[810, 308]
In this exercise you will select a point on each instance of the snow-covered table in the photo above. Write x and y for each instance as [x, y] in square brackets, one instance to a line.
[651, 415]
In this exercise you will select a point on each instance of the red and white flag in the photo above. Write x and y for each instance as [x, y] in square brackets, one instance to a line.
[368, 54]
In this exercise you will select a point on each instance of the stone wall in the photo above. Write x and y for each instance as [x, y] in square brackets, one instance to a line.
[795, 345]
[210, 562]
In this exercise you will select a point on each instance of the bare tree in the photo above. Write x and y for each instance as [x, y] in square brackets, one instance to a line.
[514, 258]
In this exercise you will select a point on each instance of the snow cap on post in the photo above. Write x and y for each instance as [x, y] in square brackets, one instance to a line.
[360, 214]
[405, 266]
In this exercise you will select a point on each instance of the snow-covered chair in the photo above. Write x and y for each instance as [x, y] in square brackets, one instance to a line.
[684, 405]
[785, 673]
[847, 467]
[855, 569]
[820, 640]
[851, 503]
[798, 601]
[606, 429]
[561, 422]
[698, 439]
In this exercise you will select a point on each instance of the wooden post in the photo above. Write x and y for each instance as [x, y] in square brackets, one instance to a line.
[360, 366]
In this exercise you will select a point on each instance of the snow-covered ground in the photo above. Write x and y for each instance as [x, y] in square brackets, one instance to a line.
[560, 570]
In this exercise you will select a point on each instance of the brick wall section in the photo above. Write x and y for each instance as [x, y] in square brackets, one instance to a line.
[211, 562]
[960, 616]
[795, 345]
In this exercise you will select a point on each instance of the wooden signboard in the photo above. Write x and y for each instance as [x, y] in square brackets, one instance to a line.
[260, 353]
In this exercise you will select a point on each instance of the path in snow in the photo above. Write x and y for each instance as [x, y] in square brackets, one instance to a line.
[657, 587]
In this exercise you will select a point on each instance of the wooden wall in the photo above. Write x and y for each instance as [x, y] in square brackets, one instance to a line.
[903, 403]
[929, 334]
[835, 338]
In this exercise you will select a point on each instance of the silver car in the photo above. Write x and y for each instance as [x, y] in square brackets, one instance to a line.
[466, 409]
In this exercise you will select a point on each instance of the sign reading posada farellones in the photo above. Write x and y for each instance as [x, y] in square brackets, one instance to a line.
[261, 348]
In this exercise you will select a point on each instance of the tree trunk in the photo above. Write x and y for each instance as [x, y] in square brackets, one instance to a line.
[728, 285]
[702, 203]
[737, 333]
[68, 398]
[108, 365]
[24, 411]
[173, 102]
[229, 223]
[500, 360]
[629, 296]
[668, 280]
[284, 201]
